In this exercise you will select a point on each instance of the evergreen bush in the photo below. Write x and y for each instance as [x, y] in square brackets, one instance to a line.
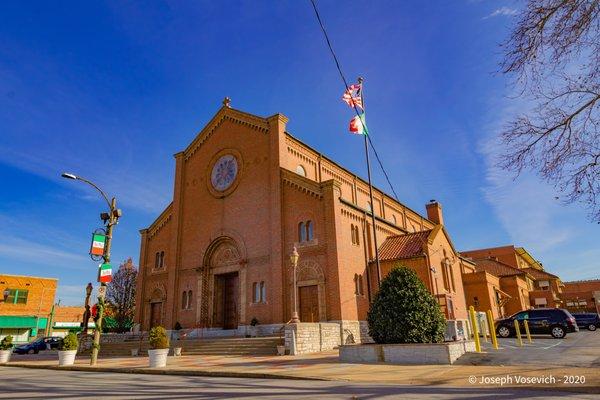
[404, 311]
[69, 342]
[6, 343]
[158, 338]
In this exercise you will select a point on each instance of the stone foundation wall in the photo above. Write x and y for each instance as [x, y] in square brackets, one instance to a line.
[354, 332]
[312, 337]
[409, 354]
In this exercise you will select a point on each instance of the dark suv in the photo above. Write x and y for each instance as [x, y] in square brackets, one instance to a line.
[590, 321]
[43, 343]
[554, 321]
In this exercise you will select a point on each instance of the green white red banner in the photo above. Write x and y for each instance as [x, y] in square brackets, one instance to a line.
[105, 273]
[98, 244]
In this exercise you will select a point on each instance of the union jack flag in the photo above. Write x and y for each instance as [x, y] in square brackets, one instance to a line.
[352, 96]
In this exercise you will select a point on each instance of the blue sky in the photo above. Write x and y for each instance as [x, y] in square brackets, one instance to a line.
[111, 90]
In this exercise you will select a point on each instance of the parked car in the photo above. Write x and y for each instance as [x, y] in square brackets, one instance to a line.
[41, 344]
[554, 321]
[590, 321]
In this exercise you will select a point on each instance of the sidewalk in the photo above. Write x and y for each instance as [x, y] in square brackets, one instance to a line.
[325, 366]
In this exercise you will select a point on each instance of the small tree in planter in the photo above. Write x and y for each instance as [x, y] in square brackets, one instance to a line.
[68, 350]
[6, 349]
[159, 347]
[404, 311]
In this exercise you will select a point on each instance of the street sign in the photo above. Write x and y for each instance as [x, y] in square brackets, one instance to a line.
[105, 273]
[98, 244]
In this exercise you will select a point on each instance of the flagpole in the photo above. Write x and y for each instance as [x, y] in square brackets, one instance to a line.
[360, 82]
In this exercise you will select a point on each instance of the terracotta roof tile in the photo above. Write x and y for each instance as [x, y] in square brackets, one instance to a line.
[496, 267]
[537, 274]
[403, 246]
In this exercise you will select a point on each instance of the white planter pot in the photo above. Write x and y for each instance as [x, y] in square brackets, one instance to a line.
[135, 352]
[66, 357]
[5, 356]
[281, 350]
[158, 358]
[177, 351]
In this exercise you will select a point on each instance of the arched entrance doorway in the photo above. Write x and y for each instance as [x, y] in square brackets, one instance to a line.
[223, 281]
[155, 309]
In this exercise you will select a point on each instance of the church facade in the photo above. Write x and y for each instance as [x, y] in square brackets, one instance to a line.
[247, 192]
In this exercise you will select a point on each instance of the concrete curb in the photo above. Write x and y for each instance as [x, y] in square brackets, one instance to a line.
[180, 372]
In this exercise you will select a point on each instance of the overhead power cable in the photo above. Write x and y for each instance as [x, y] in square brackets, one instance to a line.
[339, 68]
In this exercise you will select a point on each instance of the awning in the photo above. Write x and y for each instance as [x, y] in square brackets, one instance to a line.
[72, 325]
[19, 321]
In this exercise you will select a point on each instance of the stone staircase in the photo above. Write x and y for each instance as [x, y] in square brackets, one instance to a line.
[236, 346]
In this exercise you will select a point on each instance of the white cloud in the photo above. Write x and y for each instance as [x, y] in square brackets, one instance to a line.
[502, 11]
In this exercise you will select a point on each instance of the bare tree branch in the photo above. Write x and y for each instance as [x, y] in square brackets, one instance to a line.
[554, 55]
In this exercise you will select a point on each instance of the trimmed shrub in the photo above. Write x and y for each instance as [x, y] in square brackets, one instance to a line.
[404, 311]
[69, 342]
[6, 343]
[158, 338]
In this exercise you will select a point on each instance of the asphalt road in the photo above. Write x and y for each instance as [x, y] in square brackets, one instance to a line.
[579, 349]
[51, 384]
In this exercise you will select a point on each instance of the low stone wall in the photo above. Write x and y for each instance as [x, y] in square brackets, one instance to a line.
[409, 354]
[354, 332]
[312, 337]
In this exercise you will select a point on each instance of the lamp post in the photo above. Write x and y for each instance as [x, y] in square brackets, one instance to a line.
[294, 260]
[86, 313]
[110, 219]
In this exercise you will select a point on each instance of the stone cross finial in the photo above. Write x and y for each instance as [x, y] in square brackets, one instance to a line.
[227, 102]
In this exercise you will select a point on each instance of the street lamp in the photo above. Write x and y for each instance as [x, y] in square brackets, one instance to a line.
[110, 219]
[294, 260]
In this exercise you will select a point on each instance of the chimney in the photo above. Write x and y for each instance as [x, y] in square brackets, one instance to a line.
[434, 212]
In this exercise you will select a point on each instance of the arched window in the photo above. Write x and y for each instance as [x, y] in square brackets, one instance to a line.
[309, 230]
[369, 206]
[263, 292]
[356, 284]
[301, 232]
[357, 235]
[352, 232]
[255, 292]
[184, 300]
[360, 285]
[157, 260]
[394, 219]
[189, 299]
[300, 170]
[162, 259]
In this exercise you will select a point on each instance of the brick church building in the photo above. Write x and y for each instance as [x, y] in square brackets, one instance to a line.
[245, 193]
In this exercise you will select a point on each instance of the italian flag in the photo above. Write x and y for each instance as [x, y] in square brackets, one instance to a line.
[358, 126]
[98, 243]
[105, 273]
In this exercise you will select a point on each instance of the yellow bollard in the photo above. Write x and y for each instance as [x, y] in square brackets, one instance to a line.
[526, 323]
[518, 333]
[475, 329]
[490, 319]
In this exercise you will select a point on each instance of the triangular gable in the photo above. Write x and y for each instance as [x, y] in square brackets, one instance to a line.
[226, 113]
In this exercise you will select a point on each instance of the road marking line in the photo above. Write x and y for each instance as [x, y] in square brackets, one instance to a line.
[554, 345]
